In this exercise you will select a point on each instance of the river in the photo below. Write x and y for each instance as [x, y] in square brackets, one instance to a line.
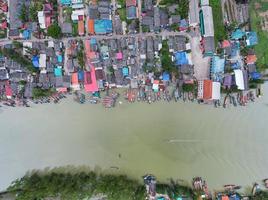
[178, 140]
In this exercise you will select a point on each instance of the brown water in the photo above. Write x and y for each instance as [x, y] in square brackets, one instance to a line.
[178, 140]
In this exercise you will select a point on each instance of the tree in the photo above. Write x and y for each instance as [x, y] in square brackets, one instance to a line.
[33, 13]
[23, 14]
[54, 31]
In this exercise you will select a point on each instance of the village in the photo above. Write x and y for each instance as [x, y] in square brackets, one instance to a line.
[146, 49]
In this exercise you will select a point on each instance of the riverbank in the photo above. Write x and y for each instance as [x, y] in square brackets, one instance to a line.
[63, 183]
[166, 139]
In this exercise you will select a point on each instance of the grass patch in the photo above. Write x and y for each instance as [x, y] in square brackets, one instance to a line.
[75, 29]
[122, 13]
[260, 49]
[219, 28]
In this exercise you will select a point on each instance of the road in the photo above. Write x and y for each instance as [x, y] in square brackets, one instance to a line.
[114, 36]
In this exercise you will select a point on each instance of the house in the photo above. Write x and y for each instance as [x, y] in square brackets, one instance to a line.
[209, 90]
[206, 21]
[181, 58]
[76, 13]
[239, 79]
[81, 27]
[208, 45]
[74, 81]
[237, 34]
[41, 19]
[66, 2]
[193, 13]
[14, 22]
[131, 3]
[252, 38]
[251, 59]
[90, 25]
[66, 28]
[131, 12]
[103, 26]
[42, 61]
[156, 18]
[217, 68]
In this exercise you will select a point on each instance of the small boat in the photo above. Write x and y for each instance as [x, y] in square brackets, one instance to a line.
[256, 189]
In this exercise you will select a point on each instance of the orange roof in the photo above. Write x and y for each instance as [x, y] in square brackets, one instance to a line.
[90, 24]
[156, 81]
[74, 78]
[207, 89]
[81, 27]
[251, 59]
[224, 198]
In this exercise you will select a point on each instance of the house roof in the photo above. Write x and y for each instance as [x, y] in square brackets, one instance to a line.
[181, 58]
[237, 34]
[239, 79]
[251, 59]
[131, 12]
[131, 3]
[207, 89]
[90, 25]
[103, 26]
[225, 43]
[81, 27]
[66, 28]
[206, 21]
[252, 38]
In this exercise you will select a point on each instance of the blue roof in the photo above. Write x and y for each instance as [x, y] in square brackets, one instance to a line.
[80, 75]
[125, 71]
[166, 76]
[57, 71]
[65, 2]
[252, 38]
[181, 58]
[103, 26]
[255, 75]
[35, 61]
[59, 58]
[93, 41]
[131, 12]
[217, 68]
[237, 34]
[26, 34]
[236, 65]
[183, 23]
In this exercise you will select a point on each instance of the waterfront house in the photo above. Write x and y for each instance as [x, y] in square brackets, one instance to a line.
[209, 90]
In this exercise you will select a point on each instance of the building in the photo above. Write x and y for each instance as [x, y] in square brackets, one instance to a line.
[217, 68]
[209, 90]
[206, 21]
[103, 26]
[193, 13]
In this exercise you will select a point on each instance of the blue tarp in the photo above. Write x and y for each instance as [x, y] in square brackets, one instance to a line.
[166, 76]
[65, 2]
[252, 38]
[80, 75]
[181, 58]
[57, 72]
[26, 34]
[255, 75]
[35, 61]
[235, 65]
[59, 58]
[103, 26]
[125, 71]
[237, 34]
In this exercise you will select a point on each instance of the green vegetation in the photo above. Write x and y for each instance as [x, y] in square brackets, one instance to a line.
[54, 31]
[261, 195]
[255, 21]
[174, 27]
[23, 14]
[183, 6]
[145, 29]
[188, 87]
[167, 64]
[122, 3]
[74, 29]
[17, 57]
[122, 13]
[39, 92]
[254, 83]
[219, 28]
[75, 186]
[81, 56]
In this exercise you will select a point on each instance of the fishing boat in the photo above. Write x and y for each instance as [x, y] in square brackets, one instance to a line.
[197, 183]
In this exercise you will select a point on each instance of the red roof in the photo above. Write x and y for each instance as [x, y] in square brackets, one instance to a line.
[80, 17]
[251, 59]
[4, 7]
[131, 3]
[224, 198]
[225, 44]
[3, 25]
[8, 90]
[48, 21]
[207, 89]
[74, 78]
[81, 27]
